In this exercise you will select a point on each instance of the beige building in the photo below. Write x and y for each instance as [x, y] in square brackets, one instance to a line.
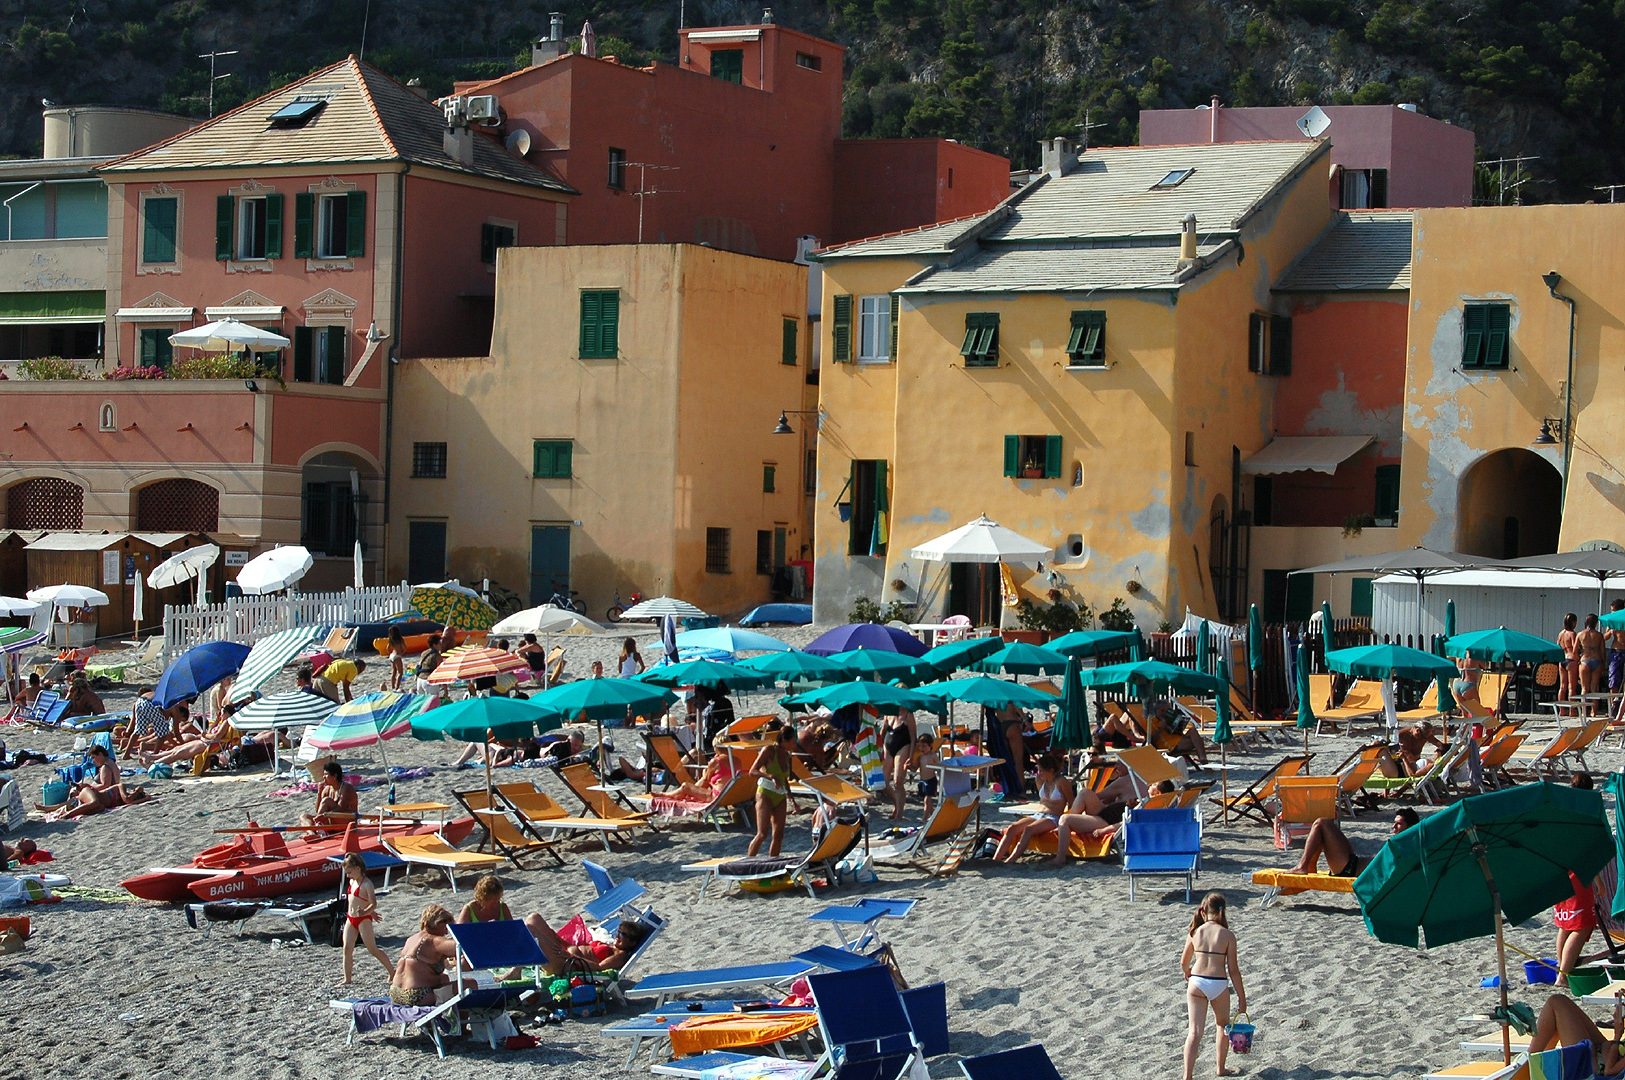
[620, 436]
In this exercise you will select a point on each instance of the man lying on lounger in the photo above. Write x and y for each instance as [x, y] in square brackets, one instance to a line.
[1564, 1023]
[563, 957]
[1325, 838]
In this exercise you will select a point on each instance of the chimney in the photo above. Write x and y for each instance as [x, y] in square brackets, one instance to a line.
[1213, 120]
[417, 87]
[767, 16]
[1187, 241]
[458, 138]
[553, 46]
[1060, 156]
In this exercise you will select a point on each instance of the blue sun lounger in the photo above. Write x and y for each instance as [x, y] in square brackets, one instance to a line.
[668, 983]
[867, 913]
[1166, 842]
[1026, 1063]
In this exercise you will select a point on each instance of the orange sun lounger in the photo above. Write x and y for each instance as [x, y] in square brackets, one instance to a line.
[1280, 883]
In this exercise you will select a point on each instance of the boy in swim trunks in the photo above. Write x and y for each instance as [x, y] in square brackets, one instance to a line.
[1325, 838]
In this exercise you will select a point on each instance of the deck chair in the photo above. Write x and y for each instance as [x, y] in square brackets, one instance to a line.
[745, 725]
[1590, 732]
[555, 665]
[1429, 786]
[1242, 713]
[1363, 701]
[1279, 883]
[505, 829]
[841, 838]
[1162, 843]
[734, 801]
[1025, 1063]
[611, 806]
[1426, 709]
[1147, 767]
[948, 820]
[664, 749]
[1251, 802]
[1354, 772]
[1304, 800]
[831, 788]
[707, 980]
[1495, 757]
[434, 852]
[1492, 689]
[540, 813]
[1545, 757]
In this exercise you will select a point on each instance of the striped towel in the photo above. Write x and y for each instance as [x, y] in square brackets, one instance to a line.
[870, 759]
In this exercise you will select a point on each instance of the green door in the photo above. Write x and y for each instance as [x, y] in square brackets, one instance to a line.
[426, 550]
[1300, 597]
[549, 562]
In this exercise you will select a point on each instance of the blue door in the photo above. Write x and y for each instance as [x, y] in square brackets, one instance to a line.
[426, 551]
[549, 562]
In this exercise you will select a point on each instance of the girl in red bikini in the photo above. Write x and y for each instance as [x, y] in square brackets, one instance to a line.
[359, 916]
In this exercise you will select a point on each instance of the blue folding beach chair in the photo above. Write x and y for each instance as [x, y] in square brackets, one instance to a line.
[486, 946]
[866, 1028]
[1026, 1063]
[745, 976]
[1165, 842]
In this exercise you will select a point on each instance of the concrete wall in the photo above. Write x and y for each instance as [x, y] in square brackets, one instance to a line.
[884, 185]
[1454, 419]
[53, 265]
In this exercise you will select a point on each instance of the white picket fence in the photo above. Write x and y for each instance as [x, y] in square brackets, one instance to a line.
[247, 619]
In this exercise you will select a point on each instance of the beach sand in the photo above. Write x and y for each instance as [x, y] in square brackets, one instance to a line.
[122, 988]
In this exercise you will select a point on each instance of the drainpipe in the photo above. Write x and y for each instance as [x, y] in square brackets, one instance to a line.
[390, 360]
[1552, 278]
[1213, 120]
[13, 199]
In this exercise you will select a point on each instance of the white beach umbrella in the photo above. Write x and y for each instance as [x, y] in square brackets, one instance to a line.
[661, 606]
[983, 541]
[273, 570]
[229, 335]
[69, 596]
[547, 619]
[11, 605]
[454, 586]
[189, 564]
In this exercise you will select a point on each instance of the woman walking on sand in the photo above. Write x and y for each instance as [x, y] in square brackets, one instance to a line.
[1211, 970]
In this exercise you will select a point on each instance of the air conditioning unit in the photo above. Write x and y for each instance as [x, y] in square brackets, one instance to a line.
[483, 109]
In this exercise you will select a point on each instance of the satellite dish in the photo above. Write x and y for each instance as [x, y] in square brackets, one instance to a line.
[1314, 123]
[519, 142]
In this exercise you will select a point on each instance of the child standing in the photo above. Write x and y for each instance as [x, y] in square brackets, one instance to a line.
[361, 913]
[925, 762]
[1211, 970]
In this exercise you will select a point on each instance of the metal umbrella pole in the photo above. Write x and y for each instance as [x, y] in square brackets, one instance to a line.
[1481, 853]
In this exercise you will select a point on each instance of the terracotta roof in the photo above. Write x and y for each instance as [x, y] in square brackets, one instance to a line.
[367, 117]
[1363, 251]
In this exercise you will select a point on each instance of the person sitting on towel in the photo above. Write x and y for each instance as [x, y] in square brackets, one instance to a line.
[1325, 838]
[336, 800]
[563, 957]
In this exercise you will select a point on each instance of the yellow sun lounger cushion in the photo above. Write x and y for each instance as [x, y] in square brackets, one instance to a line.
[1472, 1070]
[1081, 847]
[433, 851]
[1291, 884]
[725, 1031]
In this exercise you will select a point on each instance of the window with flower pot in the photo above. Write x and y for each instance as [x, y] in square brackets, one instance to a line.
[1032, 457]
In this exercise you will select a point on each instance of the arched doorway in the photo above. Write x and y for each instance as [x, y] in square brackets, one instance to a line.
[46, 502]
[335, 494]
[179, 504]
[1511, 505]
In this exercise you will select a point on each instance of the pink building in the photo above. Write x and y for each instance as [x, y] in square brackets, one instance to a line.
[342, 213]
[1382, 155]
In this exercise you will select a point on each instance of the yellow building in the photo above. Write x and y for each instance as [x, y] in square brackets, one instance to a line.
[1494, 422]
[619, 437]
[1073, 367]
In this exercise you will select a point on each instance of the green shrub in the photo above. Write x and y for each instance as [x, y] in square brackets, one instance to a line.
[1117, 617]
[52, 367]
[214, 366]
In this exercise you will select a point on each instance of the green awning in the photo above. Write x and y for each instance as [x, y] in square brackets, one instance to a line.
[39, 308]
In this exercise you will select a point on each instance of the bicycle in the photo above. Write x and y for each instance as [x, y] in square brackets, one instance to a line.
[616, 609]
[566, 602]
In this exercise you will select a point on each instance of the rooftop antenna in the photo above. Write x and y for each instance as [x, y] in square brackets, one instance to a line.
[1518, 178]
[213, 78]
[1086, 126]
[1313, 124]
[1612, 189]
[644, 191]
[366, 17]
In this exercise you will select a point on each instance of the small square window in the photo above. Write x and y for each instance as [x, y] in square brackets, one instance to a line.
[981, 345]
[552, 459]
[298, 112]
[728, 65]
[1174, 178]
[1486, 334]
[809, 61]
[1032, 457]
[617, 168]
[494, 237]
[429, 460]
[156, 350]
[1087, 345]
[718, 557]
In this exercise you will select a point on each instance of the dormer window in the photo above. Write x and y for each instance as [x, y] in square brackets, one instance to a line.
[298, 112]
[1172, 180]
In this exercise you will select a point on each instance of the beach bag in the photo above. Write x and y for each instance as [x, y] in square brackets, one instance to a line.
[53, 792]
[158, 770]
[1241, 1034]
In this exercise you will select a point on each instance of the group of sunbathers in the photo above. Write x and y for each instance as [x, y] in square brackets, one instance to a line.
[1070, 810]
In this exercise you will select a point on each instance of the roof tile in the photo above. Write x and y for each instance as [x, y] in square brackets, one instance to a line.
[1363, 251]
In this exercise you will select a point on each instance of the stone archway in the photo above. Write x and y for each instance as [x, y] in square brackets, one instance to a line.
[1510, 505]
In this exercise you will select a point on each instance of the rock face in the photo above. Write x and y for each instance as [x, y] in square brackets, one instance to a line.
[1527, 79]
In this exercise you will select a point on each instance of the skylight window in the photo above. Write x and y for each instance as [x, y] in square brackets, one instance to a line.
[298, 112]
[1172, 180]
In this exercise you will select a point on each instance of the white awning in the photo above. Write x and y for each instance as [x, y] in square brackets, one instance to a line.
[51, 320]
[1305, 453]
[705, 37]
[245, 313]
[154, 314]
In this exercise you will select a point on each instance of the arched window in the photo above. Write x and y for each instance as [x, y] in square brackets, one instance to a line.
[177, 505]
[45, 503]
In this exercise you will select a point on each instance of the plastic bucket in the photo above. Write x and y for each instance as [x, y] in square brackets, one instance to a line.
[1587, 980]
[1241, 1037]
[1540, 971]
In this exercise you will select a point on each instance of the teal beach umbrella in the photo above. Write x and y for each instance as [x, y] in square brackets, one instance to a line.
[1081, 643]
[1382, 661]
[794, 666]
[1306, 711]
[1503, 646]
[1255, 639]
[1019, 658]
[604, 699]
[1072, 718]
[880, 696]
[961, 654]
[882, 664]
[1202, 648]
[1447, 700]
[470, 720]
[712, 674]
[994, 693]
[1222, 735]
[1325, 625]
[1449, 618]
[1151, 673]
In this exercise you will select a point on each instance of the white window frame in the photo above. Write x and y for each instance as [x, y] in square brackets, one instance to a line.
[874, 329]
[322, 225]
[243, 232]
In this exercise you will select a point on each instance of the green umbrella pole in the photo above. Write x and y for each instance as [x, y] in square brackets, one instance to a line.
[1481, 853]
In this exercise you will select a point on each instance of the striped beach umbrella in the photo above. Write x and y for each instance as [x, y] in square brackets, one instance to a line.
[367, 721]
[20, 638]
[475, 662]
[268, 656]
[289, 709]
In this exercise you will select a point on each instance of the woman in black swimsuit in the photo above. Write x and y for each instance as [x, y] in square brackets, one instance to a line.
[897, 741]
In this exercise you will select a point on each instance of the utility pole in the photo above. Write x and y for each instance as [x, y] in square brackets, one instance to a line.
[644, 191]
[213, 78]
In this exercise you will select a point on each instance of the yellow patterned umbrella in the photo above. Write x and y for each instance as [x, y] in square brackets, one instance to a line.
[455, 609]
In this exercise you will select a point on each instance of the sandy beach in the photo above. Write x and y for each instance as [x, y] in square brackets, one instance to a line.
[115, 987]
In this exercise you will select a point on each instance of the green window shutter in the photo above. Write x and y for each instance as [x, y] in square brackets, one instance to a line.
[967, 348]
[1280, 345]
[591, 313]
[158, 231]
[1472, 336]
[537, 451]
[564, 460]
[149, 348]
[1086, 345]
[896, 309]
[1257, 344]
[304, 213]
[852, 515]
[488, 244]
[1012, 455]
[302, 352]
[166, 351]
[790, 355]
[1497, 330]
[355, 218]
[1360, 595]
[1052, 456]
[1386, 506]
[768, 479]
[1075, 342]
[337, 339]
[225, 211]
[609, 326]
[842, 326]
[273, 226]
[877, 538]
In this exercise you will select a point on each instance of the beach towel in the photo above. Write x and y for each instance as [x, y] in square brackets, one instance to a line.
[676, 806]
[725, 1031]
[998, 746]
[870, 760]
[374, 1013]
[760, 1068]
[1575, 1062]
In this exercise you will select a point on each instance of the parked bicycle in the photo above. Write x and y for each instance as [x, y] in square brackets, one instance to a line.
[567, 601]
[617, 609]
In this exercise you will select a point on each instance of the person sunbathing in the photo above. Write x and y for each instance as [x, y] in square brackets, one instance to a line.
[25, 847]
[105, 791]
[336, 800]
[719, 771]
[212, 741]
[1055, 796]
[1118, 732]
[1082, 818]
[1413, 741]
[562, 957]
[420, 974]
[1563, 1023]
[82, 700]
[1327, 839]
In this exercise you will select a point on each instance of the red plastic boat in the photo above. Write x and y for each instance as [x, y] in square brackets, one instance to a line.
[255, 864]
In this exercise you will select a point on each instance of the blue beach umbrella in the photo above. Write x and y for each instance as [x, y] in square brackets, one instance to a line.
[730, 639]
[197, 669]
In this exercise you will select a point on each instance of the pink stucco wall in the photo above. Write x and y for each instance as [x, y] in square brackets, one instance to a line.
[63, 426]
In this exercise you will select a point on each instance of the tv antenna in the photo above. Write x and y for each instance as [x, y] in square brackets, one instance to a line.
[1518, 178]
[1612, 189]
[1086, 126]
[213, 78]
[644, 191]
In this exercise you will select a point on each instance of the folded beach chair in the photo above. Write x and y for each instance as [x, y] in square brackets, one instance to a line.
[840, 839]
[741, 1017]
[1147, 767]
[1162, 843]
[611, 806]
[1577, 1062]
[434, 852]
[865, 914]
[505, 829]
[1303, 800]
[1026, 1063]
[1251, 802]
[1430, 786]
[828, 787]
[947, 821]
[540, 813]
[1494, 759]
[1278, 883]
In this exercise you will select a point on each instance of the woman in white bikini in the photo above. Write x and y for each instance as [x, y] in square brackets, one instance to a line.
[1055, 796]
[1210, 967]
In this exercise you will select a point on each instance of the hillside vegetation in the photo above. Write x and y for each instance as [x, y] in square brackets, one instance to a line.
[1529, 78]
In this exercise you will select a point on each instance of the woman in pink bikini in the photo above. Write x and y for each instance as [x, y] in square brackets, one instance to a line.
[361, 913]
